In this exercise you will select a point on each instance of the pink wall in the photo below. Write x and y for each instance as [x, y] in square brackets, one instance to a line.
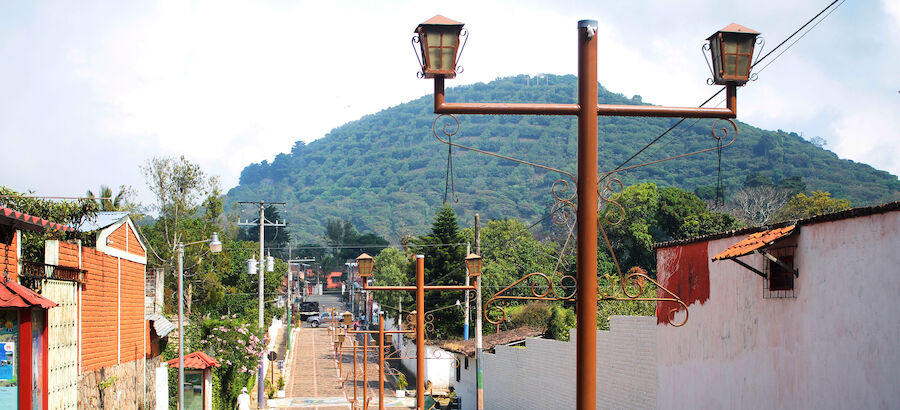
[836, 345]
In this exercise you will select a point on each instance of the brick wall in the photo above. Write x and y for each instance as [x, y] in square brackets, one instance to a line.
[112, 307]
[9, 259]
[542, 374]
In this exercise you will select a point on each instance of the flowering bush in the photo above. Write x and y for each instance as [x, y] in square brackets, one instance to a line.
[234, 344]
[239, 348]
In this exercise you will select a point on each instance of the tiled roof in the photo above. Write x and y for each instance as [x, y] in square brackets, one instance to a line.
[27, 222]
[467, 347]
[13, 294]
[754, 242]
[196, 360]
[439, 19]
[835, 216]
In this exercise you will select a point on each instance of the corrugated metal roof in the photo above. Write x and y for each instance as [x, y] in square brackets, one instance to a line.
[754, 242]
[13, 294]
[196, 360]
[27, 222]
[161, 325]
[101, 220]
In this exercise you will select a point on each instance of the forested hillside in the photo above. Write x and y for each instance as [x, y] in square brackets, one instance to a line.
[387, 174]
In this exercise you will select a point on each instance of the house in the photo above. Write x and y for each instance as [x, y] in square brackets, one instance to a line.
[107, 334]
[30, 372]
[796, 315]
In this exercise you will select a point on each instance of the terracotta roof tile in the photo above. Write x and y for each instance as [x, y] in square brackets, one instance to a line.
[196, 360]
[13, 294]
[754, 242]
[27, 222]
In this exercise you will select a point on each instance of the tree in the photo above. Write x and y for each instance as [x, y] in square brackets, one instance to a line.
[802, 206]
[794, 185]
[444, 252]
[392, 269]
[758, 204]
[70, 213]
[107, 202]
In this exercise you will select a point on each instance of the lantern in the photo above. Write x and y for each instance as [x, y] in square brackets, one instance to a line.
[731, 49]
[473, 264]
[215, 245]
[365, 264]
[438, 40]
[348, 318]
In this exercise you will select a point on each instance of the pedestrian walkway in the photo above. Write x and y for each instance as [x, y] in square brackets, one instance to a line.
[315, 382]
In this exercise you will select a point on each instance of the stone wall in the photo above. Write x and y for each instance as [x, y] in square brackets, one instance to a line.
[127, 386]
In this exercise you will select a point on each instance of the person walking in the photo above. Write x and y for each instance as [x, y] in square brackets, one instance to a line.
[243, 401]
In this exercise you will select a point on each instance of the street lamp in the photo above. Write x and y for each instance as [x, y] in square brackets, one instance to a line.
[473, 263]
[731, 50]
[215, 246]
[366, 263]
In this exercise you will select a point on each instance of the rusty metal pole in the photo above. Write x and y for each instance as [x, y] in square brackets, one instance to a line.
[354, 375]
[420, 332]
[586, 256]
[365, 388]
[381, 361]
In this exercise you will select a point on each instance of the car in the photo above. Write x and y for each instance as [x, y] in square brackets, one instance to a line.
[308, 309]
[319, 319]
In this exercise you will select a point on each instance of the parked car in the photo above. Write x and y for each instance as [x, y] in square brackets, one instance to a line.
[321, 318]
[308, 309]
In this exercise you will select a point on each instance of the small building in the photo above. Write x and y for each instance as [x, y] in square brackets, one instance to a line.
[25, 371]
[795, 315]
[198, 374]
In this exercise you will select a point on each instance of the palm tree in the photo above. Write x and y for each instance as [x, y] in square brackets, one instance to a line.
[107, 201]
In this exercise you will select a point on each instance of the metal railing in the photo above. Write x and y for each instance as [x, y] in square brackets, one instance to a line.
[34, 272]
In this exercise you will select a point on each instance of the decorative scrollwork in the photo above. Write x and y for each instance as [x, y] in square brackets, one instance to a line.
[464, 34]
[541, 287]
[420, 59]
[638, 279]
[609, 196]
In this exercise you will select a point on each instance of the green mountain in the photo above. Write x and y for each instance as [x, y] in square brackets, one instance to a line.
[387, 173]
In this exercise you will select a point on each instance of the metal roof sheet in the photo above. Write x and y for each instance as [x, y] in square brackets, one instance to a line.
[754, 242]
[101, 220]
[161, 325]
[196, 360]
[27, 222]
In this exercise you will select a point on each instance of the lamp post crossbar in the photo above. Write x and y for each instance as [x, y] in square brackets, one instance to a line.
[730, 68]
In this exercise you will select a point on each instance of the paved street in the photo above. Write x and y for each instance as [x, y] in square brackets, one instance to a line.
[313, 379]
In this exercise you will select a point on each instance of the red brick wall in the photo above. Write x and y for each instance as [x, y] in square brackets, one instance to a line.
[117, 238]
[112, 307]
[9, 260]
[134, 245]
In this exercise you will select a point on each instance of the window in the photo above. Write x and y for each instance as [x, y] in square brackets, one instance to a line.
[780, 281]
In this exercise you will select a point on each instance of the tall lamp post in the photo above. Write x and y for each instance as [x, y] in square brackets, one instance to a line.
[366, 263]
[215, 246]
[731, 51]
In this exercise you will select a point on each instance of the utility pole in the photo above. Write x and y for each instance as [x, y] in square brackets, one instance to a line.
[466, 323]
[260, 377]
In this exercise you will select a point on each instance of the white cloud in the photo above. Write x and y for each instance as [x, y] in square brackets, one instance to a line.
[230, 82]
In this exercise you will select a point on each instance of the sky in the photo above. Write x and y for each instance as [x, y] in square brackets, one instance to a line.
[90, 90]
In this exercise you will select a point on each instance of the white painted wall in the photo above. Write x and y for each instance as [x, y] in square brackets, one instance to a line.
[162, 387]
[836, 345]
[541, 375]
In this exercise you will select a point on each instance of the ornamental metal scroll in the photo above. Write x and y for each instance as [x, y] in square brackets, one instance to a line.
[553, 287]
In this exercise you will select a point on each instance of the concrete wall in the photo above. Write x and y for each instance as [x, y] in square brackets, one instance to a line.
[835, 345]
[542, 374]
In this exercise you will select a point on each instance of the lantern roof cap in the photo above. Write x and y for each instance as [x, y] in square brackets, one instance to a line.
[734, 28]
[439, 20]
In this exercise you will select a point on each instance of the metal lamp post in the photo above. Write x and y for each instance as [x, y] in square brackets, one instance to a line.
[215, 246]
[439, 50]
[366, 263]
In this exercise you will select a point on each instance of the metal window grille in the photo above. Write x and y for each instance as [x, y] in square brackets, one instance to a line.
[780, 282]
